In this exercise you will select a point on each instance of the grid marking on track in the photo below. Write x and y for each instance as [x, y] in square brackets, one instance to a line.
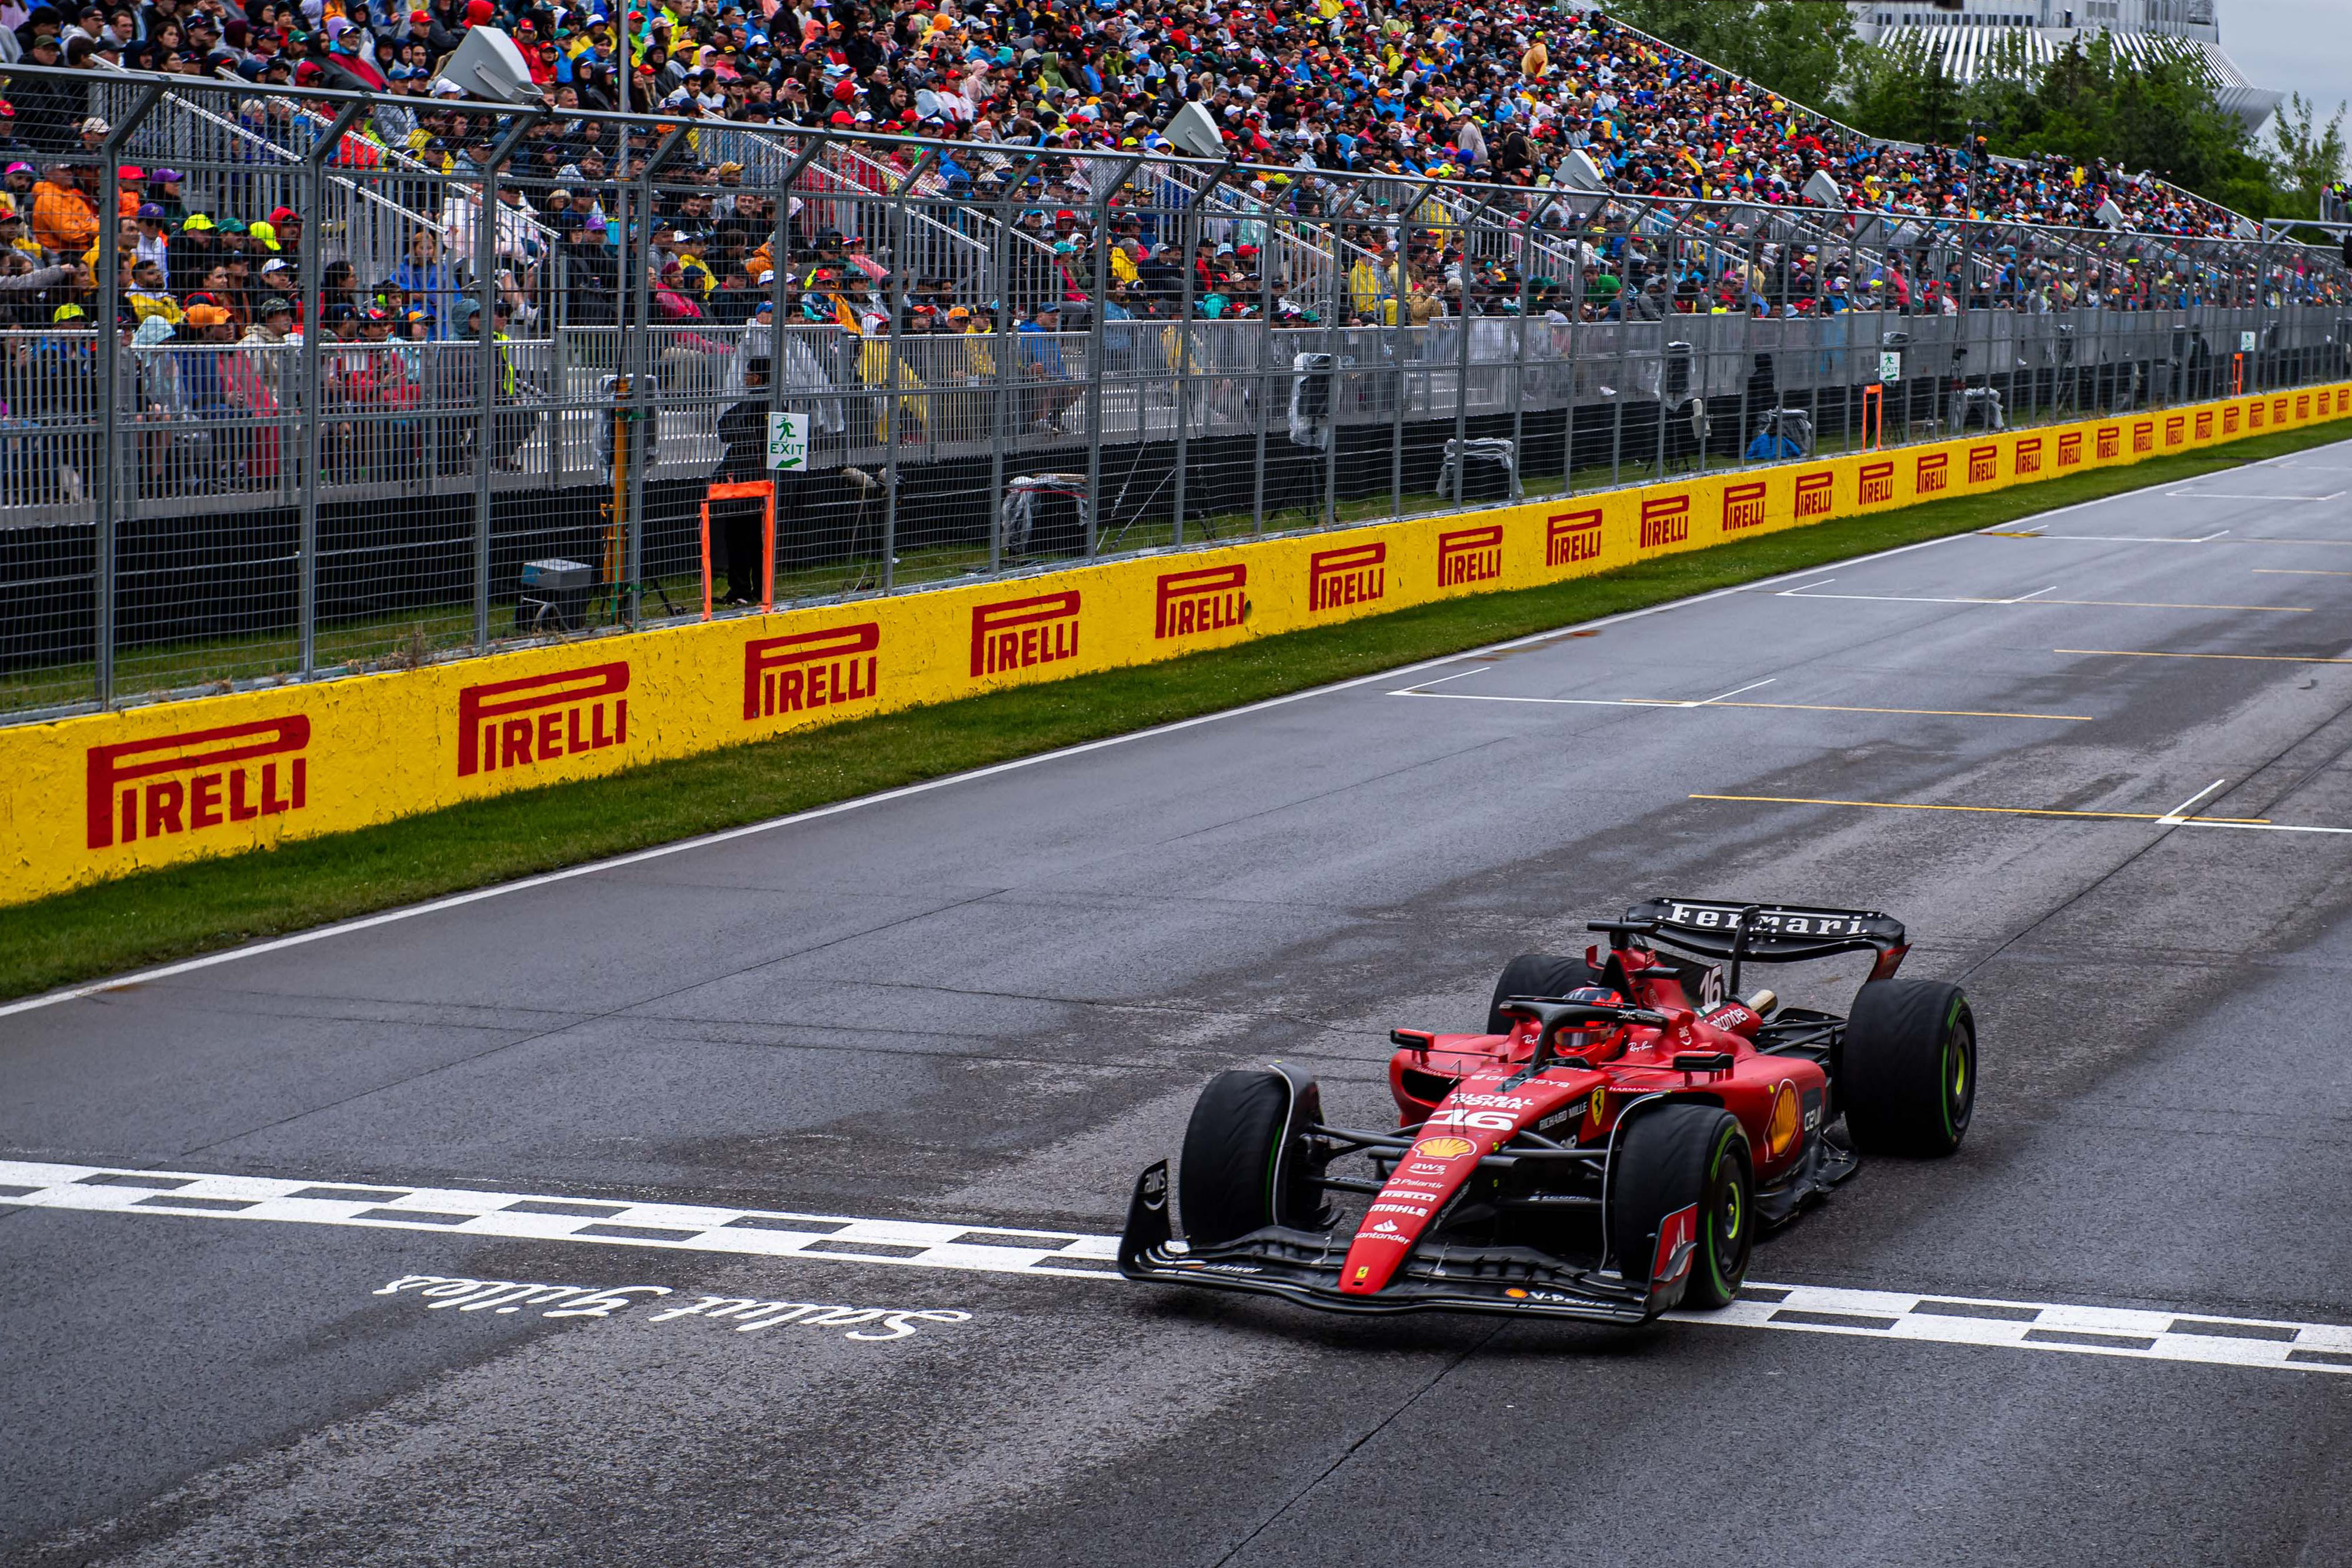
[2137, 1333]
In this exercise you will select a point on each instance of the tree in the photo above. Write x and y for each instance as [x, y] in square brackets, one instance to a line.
[1800, 50]
[2306, 157]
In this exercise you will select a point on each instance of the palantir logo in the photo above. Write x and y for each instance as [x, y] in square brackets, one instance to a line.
[1357, 574]
[1015, 633]
[1208, 598]
[196, 780]
[538, 718]
[810, 670]
[1470, 555]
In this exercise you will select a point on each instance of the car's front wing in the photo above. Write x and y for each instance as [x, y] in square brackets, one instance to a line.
[1303, 1266]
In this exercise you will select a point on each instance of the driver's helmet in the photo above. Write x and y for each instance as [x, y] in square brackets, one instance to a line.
[1594, 1042]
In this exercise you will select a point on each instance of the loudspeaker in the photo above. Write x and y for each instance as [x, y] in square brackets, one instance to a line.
[487, 65]
[1193, 129]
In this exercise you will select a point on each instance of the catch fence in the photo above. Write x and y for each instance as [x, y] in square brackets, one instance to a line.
[986, 387]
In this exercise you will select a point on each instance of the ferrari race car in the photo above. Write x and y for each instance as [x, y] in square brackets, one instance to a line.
[1607, 1147]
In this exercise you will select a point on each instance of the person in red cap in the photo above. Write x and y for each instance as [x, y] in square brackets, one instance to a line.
[479, 13]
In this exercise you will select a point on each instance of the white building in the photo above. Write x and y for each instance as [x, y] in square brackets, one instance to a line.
[2140, 28]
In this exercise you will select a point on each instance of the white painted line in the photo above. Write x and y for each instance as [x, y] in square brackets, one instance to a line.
[2037, 594]
[1734, 692]
[2272, 827]
[2236, 496]
[2179, 814]
[2137, 1333]
[1414, 691]
[2111, 539]
[2030, 599]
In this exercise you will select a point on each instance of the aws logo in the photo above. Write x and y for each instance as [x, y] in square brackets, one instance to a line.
[1984, 465]
[810, 670]
[195, 779]
[1571, 537]
[1935, 473]
[1743, 506]
[1877, 482]
[538, 718]
[1356, 575]
[1816, 493]
[1208, 600]
[1015, 633]
[1470, 555]
[2029, 456]
[1666, 521]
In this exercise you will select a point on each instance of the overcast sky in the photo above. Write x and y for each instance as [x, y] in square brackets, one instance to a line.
[2293, 45]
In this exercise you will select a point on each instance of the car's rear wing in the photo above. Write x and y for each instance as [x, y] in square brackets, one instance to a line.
[1764, 933]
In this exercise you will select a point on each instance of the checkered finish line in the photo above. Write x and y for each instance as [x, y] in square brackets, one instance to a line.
[2129, 1333]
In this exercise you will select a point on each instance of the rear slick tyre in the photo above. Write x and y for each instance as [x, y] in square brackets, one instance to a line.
[1536, 975]
[1679, 1156]
[1907, 1071]
[1232, 1179]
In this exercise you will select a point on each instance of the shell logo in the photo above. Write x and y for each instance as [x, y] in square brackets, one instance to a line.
[1444, 1148]
[1781, 1131]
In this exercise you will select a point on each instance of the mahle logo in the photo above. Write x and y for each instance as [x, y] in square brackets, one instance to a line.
[1666, 521]
[1743, 506]
[1016, 634]
[1877, 482]
[539, 718]
[1470, 555]
[1572, 537]
[1208, 600]
[195, 779]
[1934, 472]
[1816, 493]
[810, 670]
[1357, 574]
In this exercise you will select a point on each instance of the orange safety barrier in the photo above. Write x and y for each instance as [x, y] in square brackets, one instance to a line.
[2237, 375]
[744, 490]
[1873, 415]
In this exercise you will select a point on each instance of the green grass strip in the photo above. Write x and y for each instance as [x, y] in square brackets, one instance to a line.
[160, 916]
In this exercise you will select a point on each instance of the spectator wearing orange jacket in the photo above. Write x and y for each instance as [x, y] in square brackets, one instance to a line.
[64, 222]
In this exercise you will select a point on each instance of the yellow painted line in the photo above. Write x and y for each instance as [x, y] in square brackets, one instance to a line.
[1992, 811]
[2006, 534]
[1835, 707]
[2141, 605]
[2298, 571]
[2258, 658]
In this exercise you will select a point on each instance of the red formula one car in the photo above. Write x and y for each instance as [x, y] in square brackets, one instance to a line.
[1606, 1148]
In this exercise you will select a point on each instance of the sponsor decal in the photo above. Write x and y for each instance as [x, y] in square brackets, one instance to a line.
[539, 718]
[1514, 1293]
[2176, 430]
[809, 670]
[1470, 555]
[195, 779]
[1666, 521]
[1935, 473]
[1877, 480]
[2029, 456]
[1016, 634]
[2143, 437]
[1600, 1103]
[2253, 416]
[1229, 1268]
[1677, 1242]
[1208, 600]
[2230, 421]
[1444, 1148]
[1386, 1228]
[2303, 405]
[1363, 1270]
[1572, 537]
[1984, 465]
[1508, 1102]
[1355, 575]
[2344, 399]
[2069, 448]
[1560, 1118]
[2111, 443]
[1422, 1168]
[1743, 506]
[2205, 425]
[1485, 1120]
[1417, 1211]
[741, 1313]
[2278, 410]
[1814, 493]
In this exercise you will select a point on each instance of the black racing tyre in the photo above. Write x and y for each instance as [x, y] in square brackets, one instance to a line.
[1907, 1072]
[1536, 975]
[1228, 1182]
[1675, 1157]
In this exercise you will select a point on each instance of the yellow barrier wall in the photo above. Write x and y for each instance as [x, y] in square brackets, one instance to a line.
[106, 794]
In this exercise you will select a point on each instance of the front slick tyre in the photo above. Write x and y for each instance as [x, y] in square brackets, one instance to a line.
[1678, 1157]
[1232, 1179]
[1907, 1069]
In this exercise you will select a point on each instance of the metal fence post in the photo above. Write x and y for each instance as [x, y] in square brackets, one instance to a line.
[893, 413]
[1097, 350]
[306, 547]
[486, 368]
[105, 503]
[1262, 357]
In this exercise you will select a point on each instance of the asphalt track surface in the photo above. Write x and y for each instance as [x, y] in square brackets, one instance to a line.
[951, 1025]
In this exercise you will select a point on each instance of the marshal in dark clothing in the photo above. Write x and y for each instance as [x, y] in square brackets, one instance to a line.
[744, 435]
